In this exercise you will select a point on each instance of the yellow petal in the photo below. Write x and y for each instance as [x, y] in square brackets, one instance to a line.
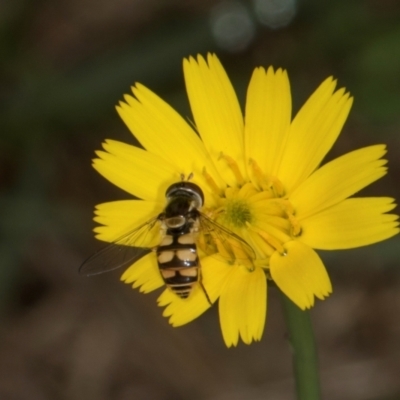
[163, 132]
[243, 306]
[182, 311]
[135, 170]
[121, 217]
[339, 179]
[313, 132]
[268, 116]
[144, 274]
[352, 223]
[216, 112]
[300, 274]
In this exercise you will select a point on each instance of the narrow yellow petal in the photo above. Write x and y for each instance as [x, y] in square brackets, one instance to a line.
[165, 298]
[144, 274]
[182, 311]
[268, 116]
[256, 304]
[300, 274]
[352, 223]
[339, 179]
[216, 112]
[242, 306]
[121, 217]
[163, 132]
[313, 132]
[138, 172]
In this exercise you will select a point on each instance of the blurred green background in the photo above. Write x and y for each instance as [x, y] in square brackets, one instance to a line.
[64, 66]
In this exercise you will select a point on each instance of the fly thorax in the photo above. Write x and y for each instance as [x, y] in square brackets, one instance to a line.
[175, 223]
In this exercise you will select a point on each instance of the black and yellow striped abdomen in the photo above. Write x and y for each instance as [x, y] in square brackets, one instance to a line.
[179, 263]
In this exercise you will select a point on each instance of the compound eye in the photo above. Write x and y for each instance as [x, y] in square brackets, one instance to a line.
[175, 222]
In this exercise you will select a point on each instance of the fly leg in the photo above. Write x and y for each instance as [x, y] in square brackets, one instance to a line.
[205, 293]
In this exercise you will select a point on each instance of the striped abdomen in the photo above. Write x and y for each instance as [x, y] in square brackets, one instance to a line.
[179, 263]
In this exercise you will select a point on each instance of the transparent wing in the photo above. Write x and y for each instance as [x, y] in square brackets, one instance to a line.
[214, 238]
[124, 251]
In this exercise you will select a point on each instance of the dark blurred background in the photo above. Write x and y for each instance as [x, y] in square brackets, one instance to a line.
[64, 65]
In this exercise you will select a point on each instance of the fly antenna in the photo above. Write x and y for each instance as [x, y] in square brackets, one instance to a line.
[190, 176]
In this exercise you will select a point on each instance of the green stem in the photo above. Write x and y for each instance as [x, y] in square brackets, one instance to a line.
[305, 362]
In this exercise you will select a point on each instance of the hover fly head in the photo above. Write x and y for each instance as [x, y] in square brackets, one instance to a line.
[186, 189]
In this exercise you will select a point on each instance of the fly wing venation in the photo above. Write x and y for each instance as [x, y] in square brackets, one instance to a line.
[216, 239]
[124, 251]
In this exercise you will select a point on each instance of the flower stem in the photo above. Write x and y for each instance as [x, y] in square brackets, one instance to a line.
[305, 363]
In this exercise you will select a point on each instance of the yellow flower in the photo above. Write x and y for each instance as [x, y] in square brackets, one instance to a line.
[261, 178]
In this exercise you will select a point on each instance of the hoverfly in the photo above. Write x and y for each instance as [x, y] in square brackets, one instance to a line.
[181, 224]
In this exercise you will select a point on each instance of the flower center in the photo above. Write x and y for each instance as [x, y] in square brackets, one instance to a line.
[237, 213]
[257, 210]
